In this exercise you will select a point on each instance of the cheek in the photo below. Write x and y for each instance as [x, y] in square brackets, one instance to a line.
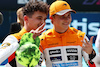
[70, 20]
[35, 25]
[31, 24]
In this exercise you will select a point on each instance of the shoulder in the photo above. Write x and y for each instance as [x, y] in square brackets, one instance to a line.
[76, 30]
[10, 39]
[17, 35]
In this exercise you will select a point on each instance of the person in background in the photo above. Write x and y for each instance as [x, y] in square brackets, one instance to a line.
[64, 46]
[16, 27]
[35, 13]
[1, 18]
[20, 17]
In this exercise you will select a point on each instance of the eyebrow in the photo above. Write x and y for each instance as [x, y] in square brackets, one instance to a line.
[41, 17]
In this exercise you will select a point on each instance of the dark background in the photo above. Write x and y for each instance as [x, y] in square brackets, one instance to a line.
[78, 5]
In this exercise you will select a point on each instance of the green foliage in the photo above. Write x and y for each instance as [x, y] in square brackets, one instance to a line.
[28, 53]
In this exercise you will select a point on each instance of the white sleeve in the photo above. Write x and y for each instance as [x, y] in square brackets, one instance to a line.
[97, 42]
[9, 46]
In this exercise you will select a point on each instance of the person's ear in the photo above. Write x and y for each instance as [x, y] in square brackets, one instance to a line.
[51, 19]
[25, 18]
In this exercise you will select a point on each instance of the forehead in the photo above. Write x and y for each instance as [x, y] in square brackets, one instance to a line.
[39, 14]
[66, 14]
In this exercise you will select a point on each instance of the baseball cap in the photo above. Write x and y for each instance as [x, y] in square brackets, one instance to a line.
[60, 8]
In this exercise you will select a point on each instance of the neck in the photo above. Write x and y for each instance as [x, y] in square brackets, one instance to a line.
[60, 30]
[27, 29]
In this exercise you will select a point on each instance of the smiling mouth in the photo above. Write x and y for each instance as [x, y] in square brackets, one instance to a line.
[65, 23]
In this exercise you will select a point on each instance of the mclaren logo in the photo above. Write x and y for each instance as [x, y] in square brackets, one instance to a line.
[53, 44]
[71, 42]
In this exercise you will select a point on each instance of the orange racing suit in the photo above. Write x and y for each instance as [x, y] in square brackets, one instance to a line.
[62, 50]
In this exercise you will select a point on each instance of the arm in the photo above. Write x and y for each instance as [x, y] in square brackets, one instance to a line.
[88, 51]
[8, 47]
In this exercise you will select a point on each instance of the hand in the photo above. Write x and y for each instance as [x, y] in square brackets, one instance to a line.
[87, 47]
[38, 31]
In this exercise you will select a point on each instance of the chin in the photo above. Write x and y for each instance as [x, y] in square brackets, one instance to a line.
[65, 28]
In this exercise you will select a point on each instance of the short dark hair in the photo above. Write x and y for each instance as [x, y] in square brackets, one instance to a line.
[33, 6]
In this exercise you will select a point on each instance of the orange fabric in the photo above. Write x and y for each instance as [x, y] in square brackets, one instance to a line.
[20, 34]
[50, 38]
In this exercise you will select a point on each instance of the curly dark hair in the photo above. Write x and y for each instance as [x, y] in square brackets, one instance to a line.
[33, 6]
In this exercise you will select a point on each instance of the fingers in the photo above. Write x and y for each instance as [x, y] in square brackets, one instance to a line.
[86, 42]
[41, 27]
[91, 39]
[38, 31]
[42, 31]
[84, 48]
[87, 47]
[32, 31]
[83, 42]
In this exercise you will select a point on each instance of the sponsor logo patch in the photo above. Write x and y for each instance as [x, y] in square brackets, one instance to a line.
[71, 50]
[72, 57]
[55, 59]
[56, 51]
[5, 45]
[65, 64]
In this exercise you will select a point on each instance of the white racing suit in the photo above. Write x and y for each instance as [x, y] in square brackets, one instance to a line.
[8, 48]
